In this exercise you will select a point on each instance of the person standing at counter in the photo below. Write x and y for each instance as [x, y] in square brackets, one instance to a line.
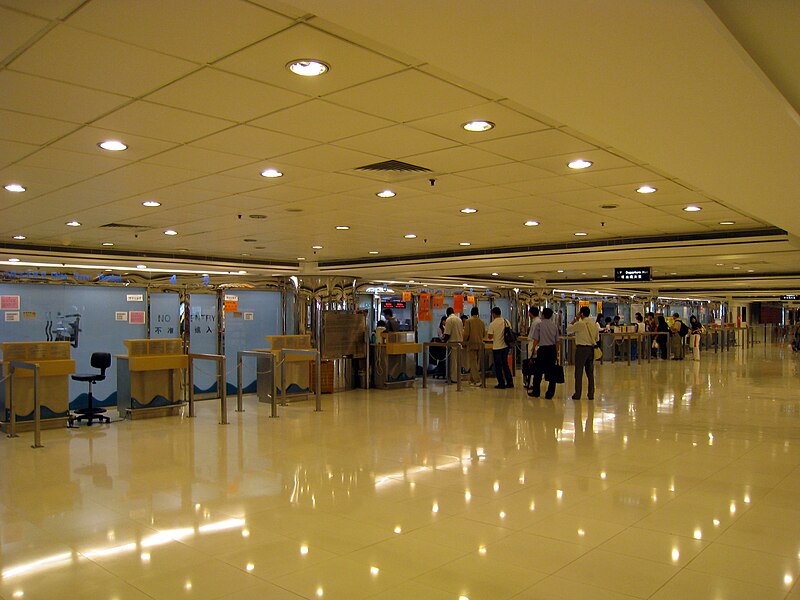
[587, 334]
[474, 332]
[500, 350]
[697, 329]
[392, 324]
[453, 332]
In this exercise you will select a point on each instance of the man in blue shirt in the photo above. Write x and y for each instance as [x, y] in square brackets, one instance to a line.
[545, 344]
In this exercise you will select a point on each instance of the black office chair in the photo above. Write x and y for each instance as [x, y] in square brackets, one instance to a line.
[99, 360]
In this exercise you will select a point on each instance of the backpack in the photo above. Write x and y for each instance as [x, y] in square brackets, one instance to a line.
[684, 330]
[509, 337]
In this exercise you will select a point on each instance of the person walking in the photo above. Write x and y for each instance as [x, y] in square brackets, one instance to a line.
[500, 350]
[545, 344]
[474, 332]
[662, 338]
[587, 334]
[697, 329]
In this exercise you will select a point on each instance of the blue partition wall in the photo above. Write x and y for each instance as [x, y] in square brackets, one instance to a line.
[203, 340]
[259, 315]
[89, 317]
[165, 315]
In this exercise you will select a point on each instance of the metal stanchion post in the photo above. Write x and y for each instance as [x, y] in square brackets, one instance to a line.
[223, 393]
[318, 383]
[190, 378]
[239, 359]
[425, 350]
[457, 349]
[12, 418]
[37, 417]
[283, 378]
[483, 365]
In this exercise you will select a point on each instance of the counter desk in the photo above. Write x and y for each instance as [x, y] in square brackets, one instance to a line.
[150, 377]
[395, 360]
[295, 368]
[55, 367]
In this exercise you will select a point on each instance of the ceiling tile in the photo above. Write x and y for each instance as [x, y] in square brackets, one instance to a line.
[329, 158]
[49, 9]
[141, 177]
[539, 144]
[334, 183]
[321, 121]
[83, 58]
[79, 163]
[227, 96]
[601, 160]
[406, 96]
[52, 99]
[16, 29]
[11, 152]
[455, 160]
[162, 122]
[284, 194]
[349, 64]
[506, 173]
[200, 31]
[548, 185]
[198, 159]
[609, 177]
[663, 187]
[396, 142]
[38, 180]
[19, 127]
[254, 142]
[507, 122]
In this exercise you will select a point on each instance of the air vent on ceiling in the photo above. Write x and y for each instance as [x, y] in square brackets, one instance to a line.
[392, 165]
[123, 226]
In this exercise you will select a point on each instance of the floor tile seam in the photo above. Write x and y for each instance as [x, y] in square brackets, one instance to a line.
[737, 579]
[719, 542]
[553, 576]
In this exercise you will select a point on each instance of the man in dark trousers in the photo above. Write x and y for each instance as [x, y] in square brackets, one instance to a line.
[544, 338]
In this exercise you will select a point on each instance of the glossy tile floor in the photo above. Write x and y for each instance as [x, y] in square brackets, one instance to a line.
[681, 481]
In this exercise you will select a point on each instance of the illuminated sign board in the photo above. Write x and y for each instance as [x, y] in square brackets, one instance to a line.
[790, 297]
[632, 274]
[393, 304]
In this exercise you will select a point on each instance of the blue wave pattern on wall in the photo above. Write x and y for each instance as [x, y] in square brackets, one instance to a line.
[44, 412]
[155, 402]
[250, 388]
[293, 389]
[82, 401]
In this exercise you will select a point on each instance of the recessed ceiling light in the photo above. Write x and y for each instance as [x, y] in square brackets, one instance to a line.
[19, 237]
[140, 267]
[495, 274]
[301, 258]
[316, 247]
[692, 208]
[271, 173]
[673, 273]
[170, 232]
[580, 164]
[647, 189]
[13, 260]
[531, 223]
[581, 233]
[411, 281]
[257, 216]
[342, 227]
[560, 271]
[720, 264]
[463, 243]
[15, 187]
[469, 211]
[245, 254]
[73, 224]
[113, 146]
[307, 67]
[751, 270]
[727, 222]
[583, 273]
[373, 252]
[736, 268]
[151, 203]
[386, 194]
[605, 275]
[478, 126]
[410, 236]
[108, 243]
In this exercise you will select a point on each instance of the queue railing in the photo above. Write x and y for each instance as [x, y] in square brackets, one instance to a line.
[260, 356]
[37, 417]
[221, 384]
[284, 352]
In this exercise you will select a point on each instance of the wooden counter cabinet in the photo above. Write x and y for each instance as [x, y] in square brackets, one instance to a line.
[55, 367]
[150, 377]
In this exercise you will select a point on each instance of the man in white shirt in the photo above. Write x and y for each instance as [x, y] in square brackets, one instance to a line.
[500, 350]
[533, 311]
[587, 334]
[453, 332]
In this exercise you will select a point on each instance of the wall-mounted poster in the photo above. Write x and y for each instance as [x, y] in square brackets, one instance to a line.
[121, 316]
[136, 317]
[12, 316]
[9, 302]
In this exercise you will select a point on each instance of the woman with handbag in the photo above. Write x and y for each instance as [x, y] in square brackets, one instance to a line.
[587, 334]
[544, 338]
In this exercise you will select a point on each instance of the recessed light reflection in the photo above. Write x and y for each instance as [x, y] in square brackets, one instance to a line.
[435, 507]
[698, 534]
[467, 495]
[482, 550]
[675, 555]
[787, 579]
[581, 532]
[307, 67]
[716, 522]
[579, 164]
[559, 494]
[747, 499]
[145, 556]
[320, 592]
[303, 549]
[113, 145]
[188, 585]
[398, 529]
[478, 126]
[496, 486]
[249, 567]
[532, 506]
[245, 533]
[374, 570]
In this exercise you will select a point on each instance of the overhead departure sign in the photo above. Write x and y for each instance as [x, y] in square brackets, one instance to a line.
[633, 274]
[790, 297]
[393, 304]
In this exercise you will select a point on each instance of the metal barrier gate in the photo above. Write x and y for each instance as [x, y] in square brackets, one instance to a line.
[37, 417]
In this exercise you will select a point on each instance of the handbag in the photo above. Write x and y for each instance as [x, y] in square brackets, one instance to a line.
[528, 366]
[555, 374]
[509, 337]
[598, 353]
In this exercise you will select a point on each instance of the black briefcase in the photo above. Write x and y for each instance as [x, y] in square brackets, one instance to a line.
[528, 367]
[555, 374]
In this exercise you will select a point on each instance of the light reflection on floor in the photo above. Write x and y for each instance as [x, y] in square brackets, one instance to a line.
[680, 481]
